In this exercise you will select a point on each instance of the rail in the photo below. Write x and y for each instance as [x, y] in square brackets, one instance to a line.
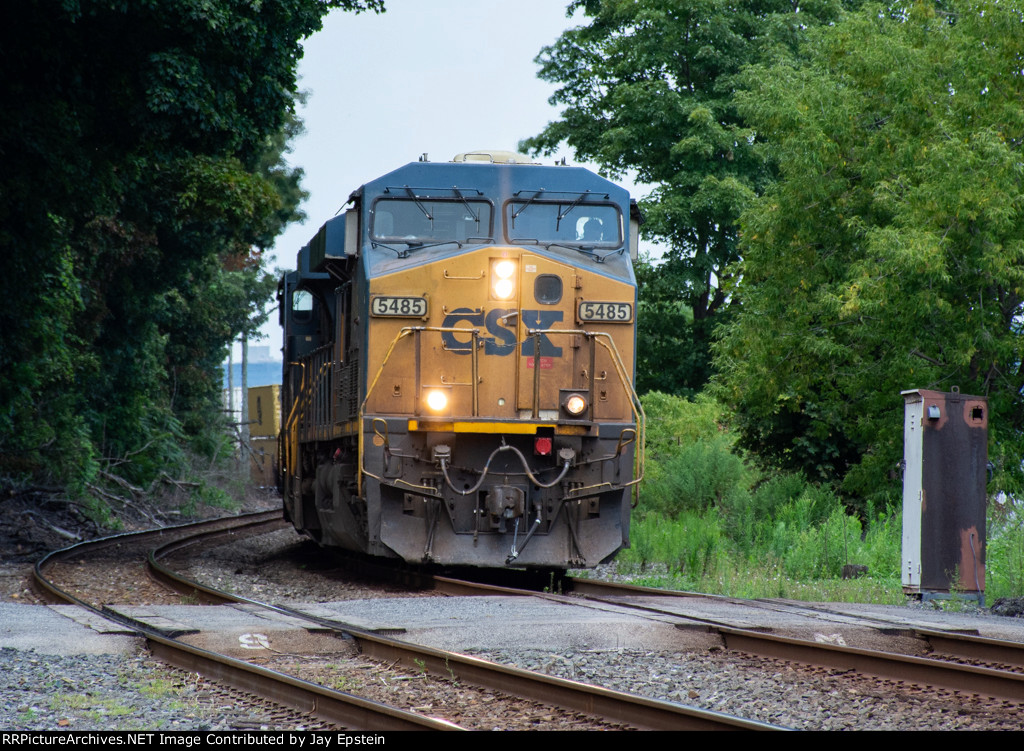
[336, 707]
[614, 706]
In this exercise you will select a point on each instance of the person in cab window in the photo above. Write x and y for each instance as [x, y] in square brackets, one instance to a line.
[593, 230]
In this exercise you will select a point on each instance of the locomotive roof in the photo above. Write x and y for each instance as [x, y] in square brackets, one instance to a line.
[497, 181]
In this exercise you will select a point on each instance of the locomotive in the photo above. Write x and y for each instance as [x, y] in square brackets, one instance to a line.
[458, 368]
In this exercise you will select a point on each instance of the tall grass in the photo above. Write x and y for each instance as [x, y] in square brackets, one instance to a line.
[710, 521]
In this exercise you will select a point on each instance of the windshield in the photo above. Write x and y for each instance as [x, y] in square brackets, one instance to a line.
[572, 222]
[419, 221]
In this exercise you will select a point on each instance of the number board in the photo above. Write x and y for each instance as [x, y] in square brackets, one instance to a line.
[608, 312]
[398, 307]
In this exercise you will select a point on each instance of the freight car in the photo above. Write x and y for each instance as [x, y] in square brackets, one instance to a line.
[458, 367]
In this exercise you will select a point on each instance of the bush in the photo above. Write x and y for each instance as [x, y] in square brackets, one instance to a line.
[1004, 567]
[674, 422]
[688, 546]
[691, 465]
[695, 478]
[822, 551]
[883, 545]
[706, 514]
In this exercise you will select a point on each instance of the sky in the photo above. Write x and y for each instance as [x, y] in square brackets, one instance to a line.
[428, 76]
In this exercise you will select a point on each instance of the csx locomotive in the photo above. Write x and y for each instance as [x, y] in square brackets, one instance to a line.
[459, 355]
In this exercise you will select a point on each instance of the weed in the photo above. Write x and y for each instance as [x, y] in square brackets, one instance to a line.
[451, 673]
[89, 707]
[158, 688]
[345, 683]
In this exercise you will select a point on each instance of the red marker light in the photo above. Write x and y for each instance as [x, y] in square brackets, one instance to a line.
[542, 446]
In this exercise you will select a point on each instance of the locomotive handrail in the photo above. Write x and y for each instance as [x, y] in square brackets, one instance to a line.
[429, 490]
[291, 446]
[307, 391]
[404, 332]
[631, 395]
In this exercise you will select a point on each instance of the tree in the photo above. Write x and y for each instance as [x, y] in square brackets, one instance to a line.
[670, 355]
[132, 137]
[647, 87]
[890, 253]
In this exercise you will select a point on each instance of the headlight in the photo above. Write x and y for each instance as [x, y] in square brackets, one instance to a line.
[575, 404]
[503, 278]
[437, 400]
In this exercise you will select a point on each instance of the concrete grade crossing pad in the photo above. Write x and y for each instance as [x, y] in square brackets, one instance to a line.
[472, 623]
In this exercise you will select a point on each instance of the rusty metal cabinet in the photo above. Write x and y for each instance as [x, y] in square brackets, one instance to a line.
[945, 450]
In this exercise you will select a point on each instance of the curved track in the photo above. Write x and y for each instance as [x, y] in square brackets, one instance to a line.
[334, 707]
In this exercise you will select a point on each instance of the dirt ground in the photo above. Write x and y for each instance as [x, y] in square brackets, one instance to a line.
[36, 521]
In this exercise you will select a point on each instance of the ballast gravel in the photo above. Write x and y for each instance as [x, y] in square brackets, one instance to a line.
[770, 691]
[90, 692]
[116, 692]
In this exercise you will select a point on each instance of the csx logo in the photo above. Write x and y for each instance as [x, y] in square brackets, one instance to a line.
[503, 341]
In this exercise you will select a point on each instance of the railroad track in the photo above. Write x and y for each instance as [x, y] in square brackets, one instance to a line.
[335, 708]
[612, 706]
[341, 708]
[953, 672]
[843, 661]
[884, 667]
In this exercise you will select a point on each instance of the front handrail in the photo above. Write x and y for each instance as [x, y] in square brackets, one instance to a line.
[308, 390]
[291, 432]
[639, 461]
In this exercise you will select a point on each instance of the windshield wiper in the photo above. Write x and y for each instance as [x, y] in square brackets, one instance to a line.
[400, 253]
[476, 217]
[412, 245]
[572, 206]
[422, 208]
[525, 205]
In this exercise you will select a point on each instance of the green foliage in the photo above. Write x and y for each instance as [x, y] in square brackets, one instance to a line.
[671, 351]
[143, 147]
[701, 475]
[819, 552]
[705, 515]
[690, 462]
[890, 253]
[883, 544]
[688, 545]
[647, 87]
[673, 422]
[1004, 560]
